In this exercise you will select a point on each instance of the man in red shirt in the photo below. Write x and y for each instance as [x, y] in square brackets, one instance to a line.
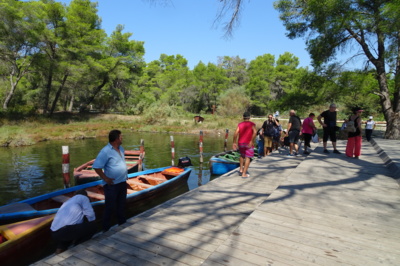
[243, 139]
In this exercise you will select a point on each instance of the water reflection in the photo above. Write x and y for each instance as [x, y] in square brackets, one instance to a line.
[34, 170]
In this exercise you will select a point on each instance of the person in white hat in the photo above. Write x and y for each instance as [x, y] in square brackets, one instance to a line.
[369, 127]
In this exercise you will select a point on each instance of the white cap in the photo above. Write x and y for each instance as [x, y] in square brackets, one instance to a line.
[371, 117]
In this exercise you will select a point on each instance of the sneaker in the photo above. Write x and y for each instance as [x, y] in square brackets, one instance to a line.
[306, 153]
[337, 152]
[326, 151]
[295, 154]
[290, 155]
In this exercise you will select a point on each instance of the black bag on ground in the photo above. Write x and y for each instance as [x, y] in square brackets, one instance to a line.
[286, 141]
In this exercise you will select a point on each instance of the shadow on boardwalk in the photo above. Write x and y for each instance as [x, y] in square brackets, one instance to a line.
[235, 221]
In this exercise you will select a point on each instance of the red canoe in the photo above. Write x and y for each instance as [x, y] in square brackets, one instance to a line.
[85, 173]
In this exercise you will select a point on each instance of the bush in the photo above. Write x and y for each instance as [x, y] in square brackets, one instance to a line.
[158, 112]
[233, 102]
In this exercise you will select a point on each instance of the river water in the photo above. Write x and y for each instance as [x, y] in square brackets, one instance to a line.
[34, 170]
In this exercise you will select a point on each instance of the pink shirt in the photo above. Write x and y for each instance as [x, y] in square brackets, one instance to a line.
[306, 126]
[245, 131]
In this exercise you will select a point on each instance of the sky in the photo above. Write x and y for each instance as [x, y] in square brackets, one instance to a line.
[186, 27]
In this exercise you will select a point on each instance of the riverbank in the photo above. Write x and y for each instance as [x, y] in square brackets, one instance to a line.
[29, 131]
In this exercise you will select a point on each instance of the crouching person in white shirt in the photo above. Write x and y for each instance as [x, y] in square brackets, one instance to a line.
[69, 226]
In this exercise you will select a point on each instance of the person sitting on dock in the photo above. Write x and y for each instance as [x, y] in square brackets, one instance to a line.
[244, 138]
[69, 226]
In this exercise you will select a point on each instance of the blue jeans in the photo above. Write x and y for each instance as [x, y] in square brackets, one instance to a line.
[115, 196]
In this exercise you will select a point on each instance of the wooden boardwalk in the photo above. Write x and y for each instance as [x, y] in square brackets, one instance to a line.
[321, 210]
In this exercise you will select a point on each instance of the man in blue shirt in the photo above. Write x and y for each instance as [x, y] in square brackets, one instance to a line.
[68, 225]
[111, 159]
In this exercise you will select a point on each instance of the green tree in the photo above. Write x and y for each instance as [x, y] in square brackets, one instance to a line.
[332, 26]
[233, 102]
[19, 42]
[261, 72]
[235, 68]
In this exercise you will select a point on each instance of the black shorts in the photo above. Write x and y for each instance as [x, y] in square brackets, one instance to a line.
[294, 136]
[329, 133]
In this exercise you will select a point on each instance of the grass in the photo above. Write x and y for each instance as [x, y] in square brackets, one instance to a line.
[74, 126]
[31, 130]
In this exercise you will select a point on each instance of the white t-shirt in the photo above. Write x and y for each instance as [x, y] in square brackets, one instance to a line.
[370, 124]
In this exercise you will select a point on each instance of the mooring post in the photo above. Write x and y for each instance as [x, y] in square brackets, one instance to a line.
[200, 176]
[226, 139]
[141, 155]
[173, 150]
[65, 166]
[201, 146]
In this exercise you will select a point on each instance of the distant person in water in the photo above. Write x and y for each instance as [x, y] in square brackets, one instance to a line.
[244, 139]
[69, 225]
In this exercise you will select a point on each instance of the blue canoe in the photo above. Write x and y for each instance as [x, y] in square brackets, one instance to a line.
[141, 186]
[225, 162]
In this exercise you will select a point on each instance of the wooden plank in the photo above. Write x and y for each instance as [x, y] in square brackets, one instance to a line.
[116, 242]
[193, 240]
[153, 238]
[95, 195]
[95, 258]
[331, 232]
[159, 249]
[272, 256]
[119, 256]
[60, 198]
[335, 221]
[317, 238]
[180, 228]
[131, 182]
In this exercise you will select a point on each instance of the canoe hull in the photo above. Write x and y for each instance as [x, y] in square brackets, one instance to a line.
[50, 203]
[26, 237]
[85, 173]
[225, 162]
[219, 166]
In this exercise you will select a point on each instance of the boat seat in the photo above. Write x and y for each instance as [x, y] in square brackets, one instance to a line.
[16, 207]
[60, 198]
[95, 195]
[130, 191]
[139, 184]
[152, 178]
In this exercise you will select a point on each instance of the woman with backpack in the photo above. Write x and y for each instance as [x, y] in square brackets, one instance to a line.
[353, 148]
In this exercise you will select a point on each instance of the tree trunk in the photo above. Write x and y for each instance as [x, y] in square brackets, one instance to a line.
[96, 91]
[10, 94]
[13, 86]
[71, 103]
[391, 116]
[393, 126]
[48, 90]
[53, 107]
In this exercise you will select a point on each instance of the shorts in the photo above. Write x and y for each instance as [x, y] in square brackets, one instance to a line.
[329, 133]
[294, 136]
[246, 151]
[267, 142]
